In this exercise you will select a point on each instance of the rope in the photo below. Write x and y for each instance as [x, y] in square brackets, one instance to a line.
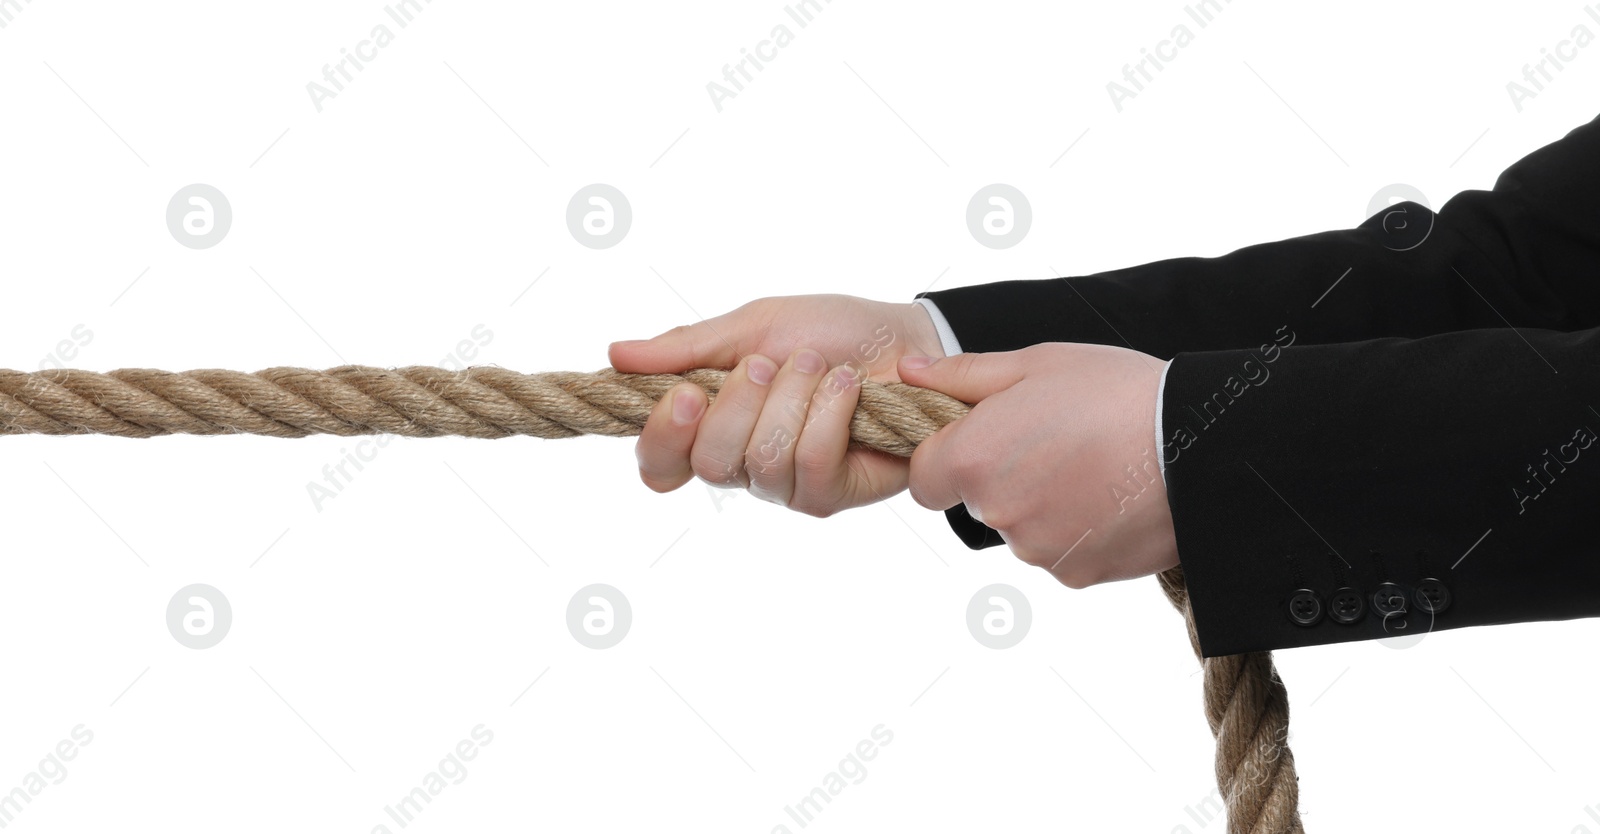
[416, 402]
[1248, 710]
[1245, 701]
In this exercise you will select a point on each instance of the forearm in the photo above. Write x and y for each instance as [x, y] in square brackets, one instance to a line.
[1523, 255]
[1461, 458]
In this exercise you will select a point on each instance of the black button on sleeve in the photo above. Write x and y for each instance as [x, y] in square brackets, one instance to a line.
[1432, 596]
[1389, 599]
[1305, 607]
[1346, 606]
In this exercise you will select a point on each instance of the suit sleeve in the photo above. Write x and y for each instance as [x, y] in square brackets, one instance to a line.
[1363, 383]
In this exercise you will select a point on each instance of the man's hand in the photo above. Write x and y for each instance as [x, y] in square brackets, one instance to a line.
[784, 432]
[1058, 455]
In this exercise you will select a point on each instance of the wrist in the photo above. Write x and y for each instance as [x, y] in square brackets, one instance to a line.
[1161, 537]
[921, 334]
[1143, 518]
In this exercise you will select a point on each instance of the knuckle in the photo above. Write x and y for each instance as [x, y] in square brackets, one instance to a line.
[964, 465]
[1074, 572]
[962, 455]
[811, 506]
[1001, 520]
[814, 462]
[657, 470]
[967, 369]
[970, 372]
[658, 484]
[713, 470]
[1005, 513]
[769, 495]
[1075, 578]
[1035, 556]
[766, 459]
[763, 471]
[757, 304]
[927, 486]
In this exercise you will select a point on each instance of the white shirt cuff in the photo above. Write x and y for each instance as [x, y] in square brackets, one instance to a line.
[1161, 393]
[947, 337]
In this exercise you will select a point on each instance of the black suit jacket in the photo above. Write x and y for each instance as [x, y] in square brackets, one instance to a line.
[1370, 432]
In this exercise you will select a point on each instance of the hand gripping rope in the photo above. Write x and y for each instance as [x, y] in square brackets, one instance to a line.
[1245, 700]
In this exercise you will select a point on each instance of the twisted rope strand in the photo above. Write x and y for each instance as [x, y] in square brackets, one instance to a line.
[1247, 707]
[1245, 701]
[415, 401]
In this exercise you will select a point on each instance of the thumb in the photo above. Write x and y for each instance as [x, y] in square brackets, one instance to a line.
[708, 344]
[969, 377]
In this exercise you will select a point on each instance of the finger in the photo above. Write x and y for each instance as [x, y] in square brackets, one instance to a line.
[770, 456]
[969, 377]
[668, 437]
[828, 475]
[934, 482]
[719, 445]
[707, 344]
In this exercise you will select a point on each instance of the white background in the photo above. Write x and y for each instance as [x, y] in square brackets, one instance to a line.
[373, 635]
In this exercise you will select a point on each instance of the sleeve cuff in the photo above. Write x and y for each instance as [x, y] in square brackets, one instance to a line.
[947, 336]
[1329, 493]
[1161, 396]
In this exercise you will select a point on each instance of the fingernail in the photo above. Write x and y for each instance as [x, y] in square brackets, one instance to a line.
[761, 370]
[915, 362]
[626, 343]
[844, 376]
[685, 408]
[808, 362]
